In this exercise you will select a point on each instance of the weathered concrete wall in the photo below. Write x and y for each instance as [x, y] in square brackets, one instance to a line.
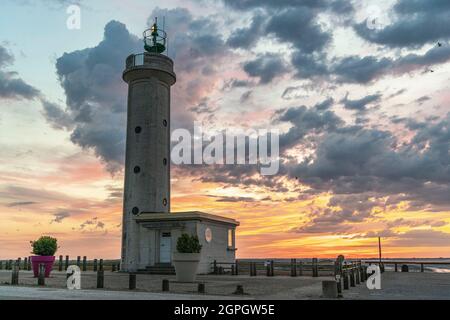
[217, 249]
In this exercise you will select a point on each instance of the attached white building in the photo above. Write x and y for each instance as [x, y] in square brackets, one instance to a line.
[159, 232]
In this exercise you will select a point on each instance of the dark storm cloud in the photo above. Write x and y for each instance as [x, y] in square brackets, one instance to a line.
[294, 23]
[247, 37]
[20, 204]
[305, 121]
[60, 216]
[360, 104]
[355, 69]
[265, 67]
[298, 26]
[357, 159]
[233, 199]
[417, 22]
[338, 6]
[422, 100]
[309, 65]
[237, 83]
[57, 118]
[11, 86]
[342, 209]
[96, 95]
[5, 57]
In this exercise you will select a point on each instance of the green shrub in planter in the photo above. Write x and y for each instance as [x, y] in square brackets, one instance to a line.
[188, 244]
[44, 246]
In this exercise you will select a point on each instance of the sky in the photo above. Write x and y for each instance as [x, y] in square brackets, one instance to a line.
[358, 89]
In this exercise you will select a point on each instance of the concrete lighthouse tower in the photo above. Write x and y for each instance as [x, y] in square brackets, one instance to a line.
[150, 230]
[147, 167]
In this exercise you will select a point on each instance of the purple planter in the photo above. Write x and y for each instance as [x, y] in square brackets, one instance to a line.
[47, 260]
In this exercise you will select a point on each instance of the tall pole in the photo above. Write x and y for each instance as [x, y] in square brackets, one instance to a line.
[379, 249]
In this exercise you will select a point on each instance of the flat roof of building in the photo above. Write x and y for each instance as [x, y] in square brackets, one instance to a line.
[184, 216]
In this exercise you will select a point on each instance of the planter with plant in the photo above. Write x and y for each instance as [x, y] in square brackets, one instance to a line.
[187, 257]
[44, 249]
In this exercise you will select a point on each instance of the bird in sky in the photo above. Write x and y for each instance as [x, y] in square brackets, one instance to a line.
[439, 44]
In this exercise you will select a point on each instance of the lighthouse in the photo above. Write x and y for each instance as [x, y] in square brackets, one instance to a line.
[149, 229]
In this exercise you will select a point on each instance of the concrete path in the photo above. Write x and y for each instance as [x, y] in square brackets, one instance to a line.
[30, 293]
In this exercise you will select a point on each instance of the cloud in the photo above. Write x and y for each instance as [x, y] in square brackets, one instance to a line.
[337, 6]
[305, 121]
[20, 204]
[417, 22]
[11, 86]
[96, 95]
[355, 69]
[247, 37]
[265, 67]
[360, 104]
[298, 26]
[60, 216]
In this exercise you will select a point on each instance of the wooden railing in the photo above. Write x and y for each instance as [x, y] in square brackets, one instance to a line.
[313, 267]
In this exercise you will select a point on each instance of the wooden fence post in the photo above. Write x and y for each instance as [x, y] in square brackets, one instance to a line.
[132, 281]
[236, 271]
[315, 268]
[84, 263]
[293, 267]
[95, 265]
[422, 268]
[25, 263]
[15, 275]
[78, 261]
[29, 264]
[345, 276]
[201, 288]
[41, 277]
[268, 267]
[67, 263]
[100, 266]
[60, 266]
[357, 275]
[165, 285]
[100, 279]
[395, 267]
[215, 267]
[113, 268]
[300, 268]
[352, 277]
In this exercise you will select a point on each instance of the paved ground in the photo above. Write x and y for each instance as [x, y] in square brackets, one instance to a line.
[261, 287]
[413, 285]
[34, 293]
[400, 286]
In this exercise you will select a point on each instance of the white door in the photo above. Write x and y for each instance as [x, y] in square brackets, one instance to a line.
[165, 247]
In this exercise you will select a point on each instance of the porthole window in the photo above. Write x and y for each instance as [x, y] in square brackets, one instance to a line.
[165, 162]
[165, 123]
[138, 130]
[165, 202]
[135, 210]
[137, 169]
